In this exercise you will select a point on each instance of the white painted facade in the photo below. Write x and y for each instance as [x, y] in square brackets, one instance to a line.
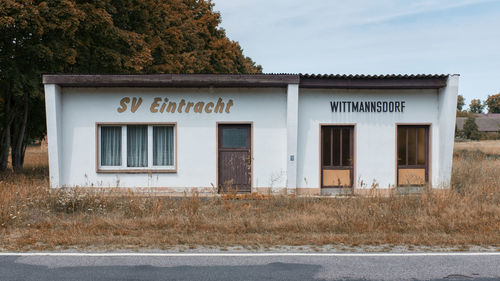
[285, 125]
[375, 133]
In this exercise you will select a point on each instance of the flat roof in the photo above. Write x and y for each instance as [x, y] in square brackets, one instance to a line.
[318, 81]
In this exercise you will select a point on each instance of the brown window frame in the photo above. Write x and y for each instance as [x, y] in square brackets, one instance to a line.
[351, 152]
[133, 170]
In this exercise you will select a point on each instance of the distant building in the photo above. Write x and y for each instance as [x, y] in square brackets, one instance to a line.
[485, 122]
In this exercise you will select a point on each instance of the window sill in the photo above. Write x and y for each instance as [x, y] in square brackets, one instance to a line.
[137, 171]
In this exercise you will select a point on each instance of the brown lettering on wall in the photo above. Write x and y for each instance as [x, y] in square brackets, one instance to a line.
[229, 104]
[171, 107]
[190, 104]
[208, 107]
[181, 104]
[123, 104]
[219, 107]
[154, 105]
[135, 104]
[163, 105]
[199, 107]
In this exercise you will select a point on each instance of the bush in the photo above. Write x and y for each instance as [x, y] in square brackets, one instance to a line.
[470, 130]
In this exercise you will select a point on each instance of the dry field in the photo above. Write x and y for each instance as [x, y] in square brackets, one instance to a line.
[486, 146]
[34, 218]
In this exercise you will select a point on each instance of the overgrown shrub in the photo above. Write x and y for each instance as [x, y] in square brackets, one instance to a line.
[470, 129]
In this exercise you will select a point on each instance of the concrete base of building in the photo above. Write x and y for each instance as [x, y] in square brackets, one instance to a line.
[405, 190]
[213, 192]
[336, 191]
[275, 191]
[371, 192]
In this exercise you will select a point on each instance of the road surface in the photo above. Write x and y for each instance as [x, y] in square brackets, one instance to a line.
[250, 266]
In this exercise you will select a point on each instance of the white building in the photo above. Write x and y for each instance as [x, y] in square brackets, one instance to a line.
[310, 134]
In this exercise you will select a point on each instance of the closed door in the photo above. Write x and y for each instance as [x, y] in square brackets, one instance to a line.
[337, 156]
[235, 158]
[413, 155]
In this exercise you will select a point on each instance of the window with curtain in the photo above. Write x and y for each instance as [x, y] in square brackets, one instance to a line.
[111, 146]
[137, 146]
[142, 146]
[163, 145]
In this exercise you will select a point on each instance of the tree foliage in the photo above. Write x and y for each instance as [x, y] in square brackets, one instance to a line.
[493, 103]
[470, 129]
[460, 102]
[476, 106]
[99, 37]
[190, 40]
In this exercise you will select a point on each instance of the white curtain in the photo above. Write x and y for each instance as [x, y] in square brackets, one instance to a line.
[111, 146]
[163, 146]
[137, 146]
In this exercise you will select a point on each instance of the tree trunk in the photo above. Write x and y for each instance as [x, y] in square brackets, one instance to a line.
[18, 144]
[4, 147]
[5, 138]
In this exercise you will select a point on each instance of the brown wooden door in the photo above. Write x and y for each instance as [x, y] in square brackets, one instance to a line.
[235, 157]
[413, 155]
[337, 156]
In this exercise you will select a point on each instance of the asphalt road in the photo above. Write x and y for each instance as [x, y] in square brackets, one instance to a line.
[250, 267]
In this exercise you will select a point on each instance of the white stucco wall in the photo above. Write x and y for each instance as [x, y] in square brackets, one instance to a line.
[196, 139]
[53, 109]
[446, 114]
[375, 133]
[285, 122]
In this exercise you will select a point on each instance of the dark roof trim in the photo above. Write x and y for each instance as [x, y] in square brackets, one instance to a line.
[173, 80]
[386, 83]
[391, 81]
[366, 76]
[252, 80]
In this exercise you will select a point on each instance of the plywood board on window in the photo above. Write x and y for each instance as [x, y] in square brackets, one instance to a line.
[336, 177]
[411, 177]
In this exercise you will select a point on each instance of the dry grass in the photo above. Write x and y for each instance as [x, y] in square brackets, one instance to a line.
[34, 218]
[486, 146]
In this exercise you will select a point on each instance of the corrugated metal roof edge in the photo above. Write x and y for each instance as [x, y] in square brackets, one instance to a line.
[373, 76]
[360, 81]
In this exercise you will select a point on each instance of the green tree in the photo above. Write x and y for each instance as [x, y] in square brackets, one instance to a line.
[98, 37]
[476, 106]
[470, 129]
[493, 103]
[24, 53]
[460, 102]
[190, 40]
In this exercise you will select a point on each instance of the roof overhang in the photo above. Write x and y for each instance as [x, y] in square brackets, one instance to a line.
[373, 81]
[173, 80]
[251, 81]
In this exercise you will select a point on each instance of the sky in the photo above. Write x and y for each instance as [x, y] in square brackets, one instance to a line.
[372, 37]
